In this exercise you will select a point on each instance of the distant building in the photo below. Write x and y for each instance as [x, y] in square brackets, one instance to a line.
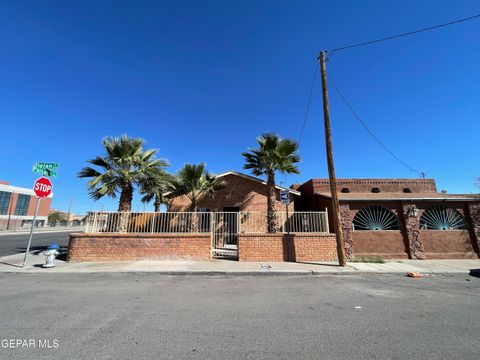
[70, 219]
[17, 207]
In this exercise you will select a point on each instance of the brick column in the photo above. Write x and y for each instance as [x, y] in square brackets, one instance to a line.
[412, 231]
[474, 217]
[346, 223]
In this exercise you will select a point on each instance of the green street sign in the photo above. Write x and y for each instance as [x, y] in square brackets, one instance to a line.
[45, 172]
[46, 165]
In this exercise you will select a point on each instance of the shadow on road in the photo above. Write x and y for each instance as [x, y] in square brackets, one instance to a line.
[475, 273]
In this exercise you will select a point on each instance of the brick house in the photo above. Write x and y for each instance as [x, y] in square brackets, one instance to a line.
[241, 192]
[399, 218]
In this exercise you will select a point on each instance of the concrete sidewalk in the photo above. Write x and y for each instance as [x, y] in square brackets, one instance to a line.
[190, 267]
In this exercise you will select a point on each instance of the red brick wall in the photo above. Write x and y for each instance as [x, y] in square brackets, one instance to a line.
[282, 247]
[118, 247]
[246, 194]
[385, 185]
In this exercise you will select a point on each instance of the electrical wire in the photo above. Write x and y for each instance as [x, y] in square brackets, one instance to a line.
[355, 114]
[307, 111]
[308, 105]
[404, 34]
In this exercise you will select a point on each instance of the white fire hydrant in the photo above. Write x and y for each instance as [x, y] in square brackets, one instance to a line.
[51, 254]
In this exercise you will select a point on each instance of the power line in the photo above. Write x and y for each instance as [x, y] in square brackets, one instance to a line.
[308, 104]
[405, 34]
[392, 154]
[307, 111]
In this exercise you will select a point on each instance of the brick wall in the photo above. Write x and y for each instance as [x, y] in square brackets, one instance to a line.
[246, 194]
[385, 185]
[118, 247]
[282, 247]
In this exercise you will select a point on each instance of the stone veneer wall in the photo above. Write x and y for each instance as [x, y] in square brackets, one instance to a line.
[283, 247]
[346, 223]
[118, 247]
[474, 219]
[411, 218]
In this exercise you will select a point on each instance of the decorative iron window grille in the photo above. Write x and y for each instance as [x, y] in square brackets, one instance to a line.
[439, 217]
[374, 217]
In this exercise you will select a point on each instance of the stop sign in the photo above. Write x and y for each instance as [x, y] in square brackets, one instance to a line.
[42, 187]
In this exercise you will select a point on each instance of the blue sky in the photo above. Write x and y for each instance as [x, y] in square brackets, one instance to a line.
[199, 80]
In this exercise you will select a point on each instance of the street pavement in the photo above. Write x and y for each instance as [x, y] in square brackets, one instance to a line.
[17, 243]
[152, 316]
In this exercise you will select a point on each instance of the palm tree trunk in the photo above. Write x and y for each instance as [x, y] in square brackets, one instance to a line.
[125, 206]
[272, 211]
[126, 197]
[157, 203]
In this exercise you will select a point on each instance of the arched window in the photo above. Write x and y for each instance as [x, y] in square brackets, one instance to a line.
[375, 190]
[345, 190]
[439, 217]
[407, 190]
[374, 217]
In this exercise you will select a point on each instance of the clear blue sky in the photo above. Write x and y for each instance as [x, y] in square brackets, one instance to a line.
[199, 80]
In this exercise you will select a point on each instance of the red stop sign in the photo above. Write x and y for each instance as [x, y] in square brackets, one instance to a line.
[42, 187]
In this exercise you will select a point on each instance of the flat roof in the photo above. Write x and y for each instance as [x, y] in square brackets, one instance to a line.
[388, 196]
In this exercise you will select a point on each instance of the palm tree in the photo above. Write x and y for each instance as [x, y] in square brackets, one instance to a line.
[274, 154]
[154, 186]
[124, 165]
[196, 184]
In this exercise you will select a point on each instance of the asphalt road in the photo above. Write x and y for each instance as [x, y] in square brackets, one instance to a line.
[151, 316]
[14, 244]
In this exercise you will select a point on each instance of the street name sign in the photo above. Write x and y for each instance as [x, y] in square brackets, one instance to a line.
[46, 165]
[42, 187]
[45, 168]
[285, 197]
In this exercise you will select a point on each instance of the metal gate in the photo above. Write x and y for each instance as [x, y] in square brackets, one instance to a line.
[225, 234]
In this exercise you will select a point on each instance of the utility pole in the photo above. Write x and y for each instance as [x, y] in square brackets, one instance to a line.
[69, 209]
[342, 261]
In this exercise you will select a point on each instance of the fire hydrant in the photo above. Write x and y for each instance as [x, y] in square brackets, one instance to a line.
[51, 254]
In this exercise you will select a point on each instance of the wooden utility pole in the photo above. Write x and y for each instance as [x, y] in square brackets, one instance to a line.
[342, 261]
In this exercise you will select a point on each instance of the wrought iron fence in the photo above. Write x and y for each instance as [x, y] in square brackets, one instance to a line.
[205, 222]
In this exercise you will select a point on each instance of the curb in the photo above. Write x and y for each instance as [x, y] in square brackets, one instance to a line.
[233, 273]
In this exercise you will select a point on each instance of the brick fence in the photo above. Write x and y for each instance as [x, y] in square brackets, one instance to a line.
[283, 247]
[118, 247]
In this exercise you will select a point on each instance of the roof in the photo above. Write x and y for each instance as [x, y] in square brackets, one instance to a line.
[361, 196]
[248, 177]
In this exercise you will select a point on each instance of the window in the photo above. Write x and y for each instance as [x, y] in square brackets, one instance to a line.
[375, 217]
[4, 202]
[407, 190]
[345, 190]
[375, 190]
[22, 204]
[439, 217]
